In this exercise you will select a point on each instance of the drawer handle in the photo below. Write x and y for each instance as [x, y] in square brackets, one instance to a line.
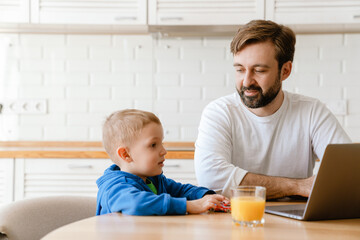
[173, 165]
[357, 16]
[125, 18]
[171, 19]
[79, 166]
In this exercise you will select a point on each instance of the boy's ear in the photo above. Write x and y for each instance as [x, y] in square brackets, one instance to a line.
[123, 154]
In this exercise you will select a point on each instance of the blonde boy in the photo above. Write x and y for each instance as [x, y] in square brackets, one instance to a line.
[135, 184]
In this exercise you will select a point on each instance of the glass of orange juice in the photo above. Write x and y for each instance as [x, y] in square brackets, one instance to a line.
[248, 205]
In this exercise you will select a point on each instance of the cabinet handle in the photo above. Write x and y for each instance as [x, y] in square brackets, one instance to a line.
[125, 18]
[171, 19]
[79, 166]
[357, 16]
[172, 165]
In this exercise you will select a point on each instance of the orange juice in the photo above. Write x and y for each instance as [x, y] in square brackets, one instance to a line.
[247, 208]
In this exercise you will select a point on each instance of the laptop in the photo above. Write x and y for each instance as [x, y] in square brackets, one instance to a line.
[335, 193]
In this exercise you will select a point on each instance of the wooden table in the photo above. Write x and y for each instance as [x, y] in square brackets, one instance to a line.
[204, 226]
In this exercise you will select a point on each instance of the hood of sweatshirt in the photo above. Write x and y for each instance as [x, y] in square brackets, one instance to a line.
[114, 172]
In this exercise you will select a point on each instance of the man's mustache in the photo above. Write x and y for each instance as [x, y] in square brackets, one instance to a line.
[252, 87]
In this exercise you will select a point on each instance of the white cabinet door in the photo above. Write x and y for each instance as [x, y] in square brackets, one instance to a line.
[14, 11]
[127, 12]
[313, 11]
[6, 180]
[180, 170]
[48, 177]
[204, 12]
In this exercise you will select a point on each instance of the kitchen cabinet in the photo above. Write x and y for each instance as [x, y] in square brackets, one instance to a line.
[225, 16]
[33, 169]
[313, 11]
[6, 180]
[206, 16]
[111, 12]
[204, 12]
[129, 12]
[180, 170]
[15, 11]
[49, 177]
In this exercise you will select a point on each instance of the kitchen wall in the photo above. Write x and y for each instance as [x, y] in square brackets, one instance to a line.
[83, 78]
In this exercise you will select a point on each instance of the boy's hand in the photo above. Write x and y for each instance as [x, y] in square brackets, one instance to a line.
[205, 203]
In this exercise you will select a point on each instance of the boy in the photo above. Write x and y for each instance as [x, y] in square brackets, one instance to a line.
[135, 185]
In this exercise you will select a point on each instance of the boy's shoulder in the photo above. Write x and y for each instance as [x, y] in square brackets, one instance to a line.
[114, 175]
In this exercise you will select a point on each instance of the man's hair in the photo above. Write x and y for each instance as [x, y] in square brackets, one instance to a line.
[121, 128]
[264, 30]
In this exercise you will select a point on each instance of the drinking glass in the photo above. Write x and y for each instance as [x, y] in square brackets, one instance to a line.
[248, 205]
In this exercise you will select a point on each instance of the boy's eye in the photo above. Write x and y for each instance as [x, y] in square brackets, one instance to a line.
[153, 145]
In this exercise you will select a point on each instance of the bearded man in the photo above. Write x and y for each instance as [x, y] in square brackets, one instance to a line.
[262, 135]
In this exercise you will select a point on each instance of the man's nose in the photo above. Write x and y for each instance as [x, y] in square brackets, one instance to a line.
[248, 79]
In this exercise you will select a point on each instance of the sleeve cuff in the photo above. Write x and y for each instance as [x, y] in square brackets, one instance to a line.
[177, 206]
[234, 180]
[209, 192]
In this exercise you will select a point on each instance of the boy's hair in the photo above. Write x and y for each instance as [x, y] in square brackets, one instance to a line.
[264, 30]
[121, 128]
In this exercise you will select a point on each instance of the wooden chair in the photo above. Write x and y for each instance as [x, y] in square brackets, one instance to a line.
[31, 219]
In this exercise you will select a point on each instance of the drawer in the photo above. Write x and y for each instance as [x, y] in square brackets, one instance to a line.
[182, 178]
[46, 166]
[179, 165]
[180, 170]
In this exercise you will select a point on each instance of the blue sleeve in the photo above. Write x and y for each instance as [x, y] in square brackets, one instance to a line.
[130, 200]
[189, 191]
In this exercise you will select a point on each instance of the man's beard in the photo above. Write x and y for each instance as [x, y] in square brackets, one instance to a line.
[261, 99]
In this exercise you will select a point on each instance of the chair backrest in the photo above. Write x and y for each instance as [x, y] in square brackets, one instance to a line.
[31, 219]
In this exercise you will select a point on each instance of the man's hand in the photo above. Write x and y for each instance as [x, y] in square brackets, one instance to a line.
[278, 187]
[304, 186]
[205, 203]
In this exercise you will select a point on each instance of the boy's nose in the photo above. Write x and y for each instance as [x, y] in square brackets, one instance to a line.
[163, 152]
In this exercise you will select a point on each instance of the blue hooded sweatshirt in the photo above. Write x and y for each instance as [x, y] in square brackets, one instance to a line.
[127, 193]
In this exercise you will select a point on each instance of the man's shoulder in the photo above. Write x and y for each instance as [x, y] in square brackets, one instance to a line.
[305, 105]
[295, 98]
[300, 97]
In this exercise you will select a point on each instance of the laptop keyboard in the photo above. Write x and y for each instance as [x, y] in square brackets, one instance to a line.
[298, 212]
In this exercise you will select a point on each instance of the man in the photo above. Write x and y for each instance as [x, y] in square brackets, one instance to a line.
[262, 135]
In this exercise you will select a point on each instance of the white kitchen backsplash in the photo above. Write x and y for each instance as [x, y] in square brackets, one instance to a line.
[83, 78]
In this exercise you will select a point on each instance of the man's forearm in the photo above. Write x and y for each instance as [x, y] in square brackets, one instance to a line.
[277, 187]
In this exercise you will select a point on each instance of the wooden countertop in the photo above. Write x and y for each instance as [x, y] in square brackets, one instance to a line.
[52, 149]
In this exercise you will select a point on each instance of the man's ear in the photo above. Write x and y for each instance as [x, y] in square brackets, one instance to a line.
[123, 154]
[286, 70]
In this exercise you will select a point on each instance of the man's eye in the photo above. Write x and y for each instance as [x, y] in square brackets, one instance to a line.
[259, 71]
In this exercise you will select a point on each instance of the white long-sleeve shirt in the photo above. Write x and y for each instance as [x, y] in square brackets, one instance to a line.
[233, 141]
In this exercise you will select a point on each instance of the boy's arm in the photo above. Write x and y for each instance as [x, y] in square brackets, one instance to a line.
[189, 191]
[197, 201]
[130, 200]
